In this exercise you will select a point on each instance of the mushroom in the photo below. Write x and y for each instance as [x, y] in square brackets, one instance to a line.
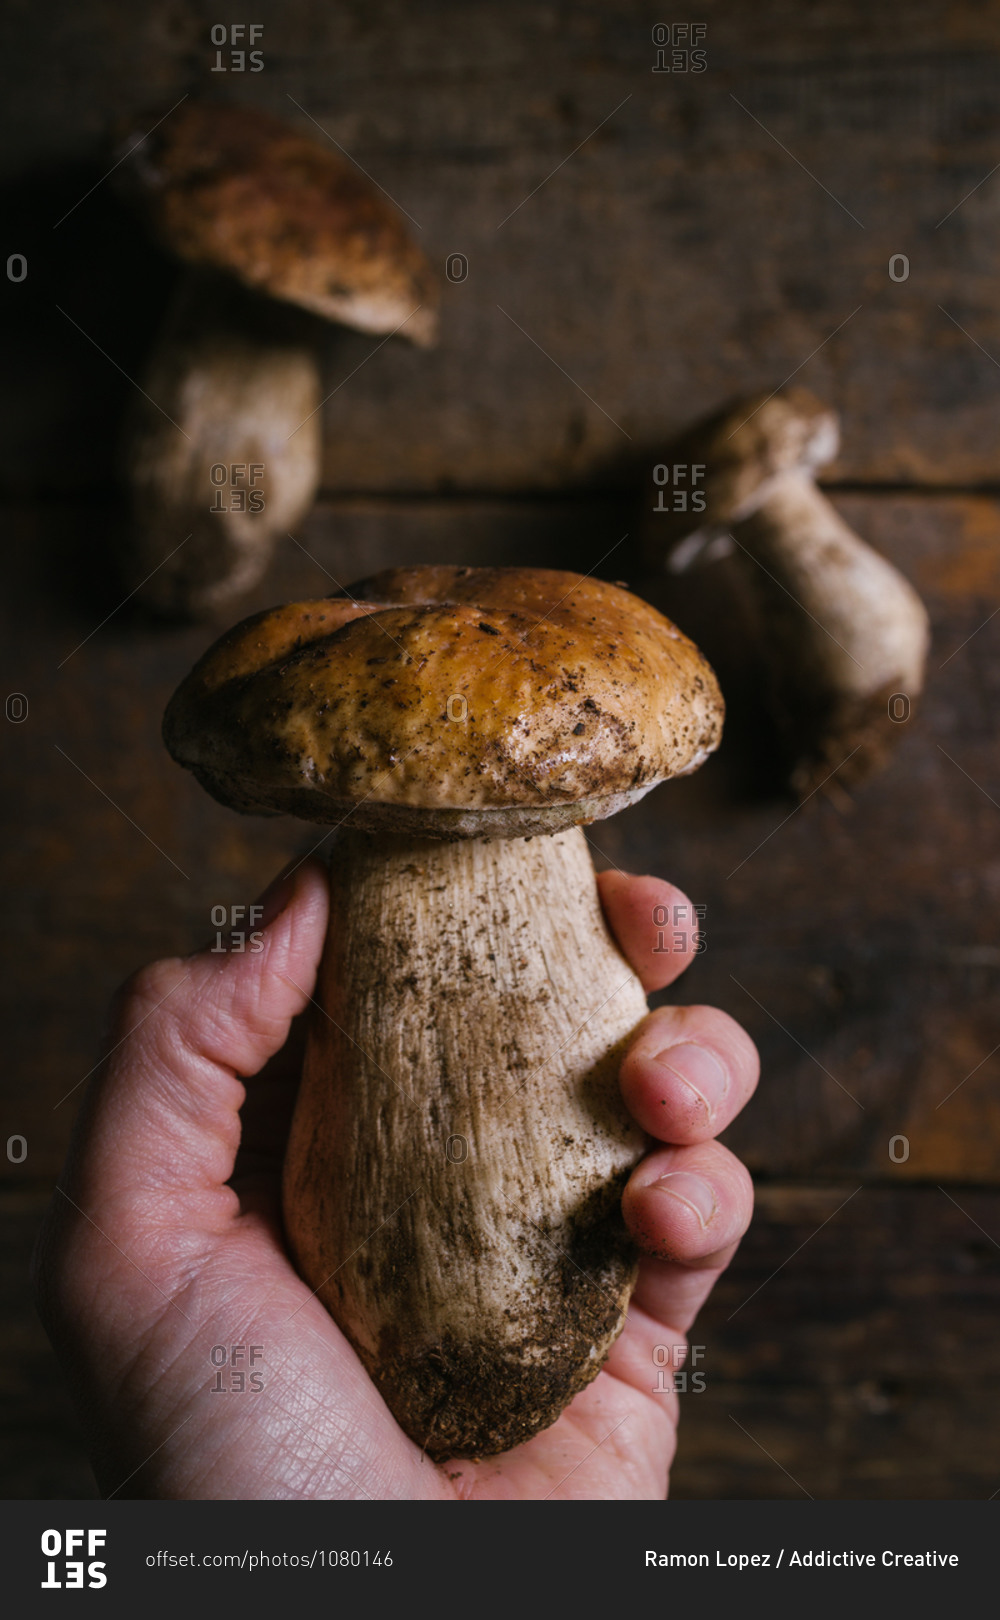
[224, 450]
[846, 636]
[459, 1146]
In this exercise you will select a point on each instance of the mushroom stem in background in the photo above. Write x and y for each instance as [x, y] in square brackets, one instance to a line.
[451, 1098]
[453, 1178]
[257, 206]
[238, 463]
[844, 632]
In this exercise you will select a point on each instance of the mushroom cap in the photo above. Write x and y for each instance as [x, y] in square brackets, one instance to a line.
[238, 190]
[450, 703]
[743, 451]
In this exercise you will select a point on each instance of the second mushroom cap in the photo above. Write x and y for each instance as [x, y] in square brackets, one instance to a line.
[234, 189]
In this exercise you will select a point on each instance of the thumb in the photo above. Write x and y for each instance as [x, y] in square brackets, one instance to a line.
[163, 1110]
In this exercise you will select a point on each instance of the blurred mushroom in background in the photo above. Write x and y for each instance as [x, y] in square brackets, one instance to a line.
[223, 452]
[845, 635]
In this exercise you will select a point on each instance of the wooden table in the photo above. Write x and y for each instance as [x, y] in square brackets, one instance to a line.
[640, 247]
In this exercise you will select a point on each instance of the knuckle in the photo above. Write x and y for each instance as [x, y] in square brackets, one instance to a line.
[145, 989]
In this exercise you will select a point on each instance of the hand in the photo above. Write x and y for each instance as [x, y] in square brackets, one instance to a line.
[162, 1250]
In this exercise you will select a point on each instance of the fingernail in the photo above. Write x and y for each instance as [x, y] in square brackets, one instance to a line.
[276, 897]
[700, 1070]
[691, 1190]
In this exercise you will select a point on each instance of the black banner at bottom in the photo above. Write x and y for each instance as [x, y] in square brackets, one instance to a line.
[189, 1556]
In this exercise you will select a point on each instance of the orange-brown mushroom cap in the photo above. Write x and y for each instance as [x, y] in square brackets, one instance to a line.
[448, 702]
[238, 190]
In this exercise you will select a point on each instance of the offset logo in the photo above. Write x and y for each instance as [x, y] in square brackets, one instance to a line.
[66, 1566]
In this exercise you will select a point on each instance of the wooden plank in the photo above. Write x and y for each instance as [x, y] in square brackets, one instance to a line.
[641, 245]
[41, 1446]
[854, 939]
[854, 1358]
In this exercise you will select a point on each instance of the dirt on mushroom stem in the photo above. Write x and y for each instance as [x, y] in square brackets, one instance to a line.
[455, 1168]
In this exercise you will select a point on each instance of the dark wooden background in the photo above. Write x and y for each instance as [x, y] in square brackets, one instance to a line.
[718, 232]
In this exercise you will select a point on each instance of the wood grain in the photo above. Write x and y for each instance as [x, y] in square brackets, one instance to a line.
[641, 245]
[850, 1350]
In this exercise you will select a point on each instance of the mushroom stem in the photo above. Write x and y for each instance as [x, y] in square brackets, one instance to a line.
[845, 632]
[224, 452]
[459, 1148]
